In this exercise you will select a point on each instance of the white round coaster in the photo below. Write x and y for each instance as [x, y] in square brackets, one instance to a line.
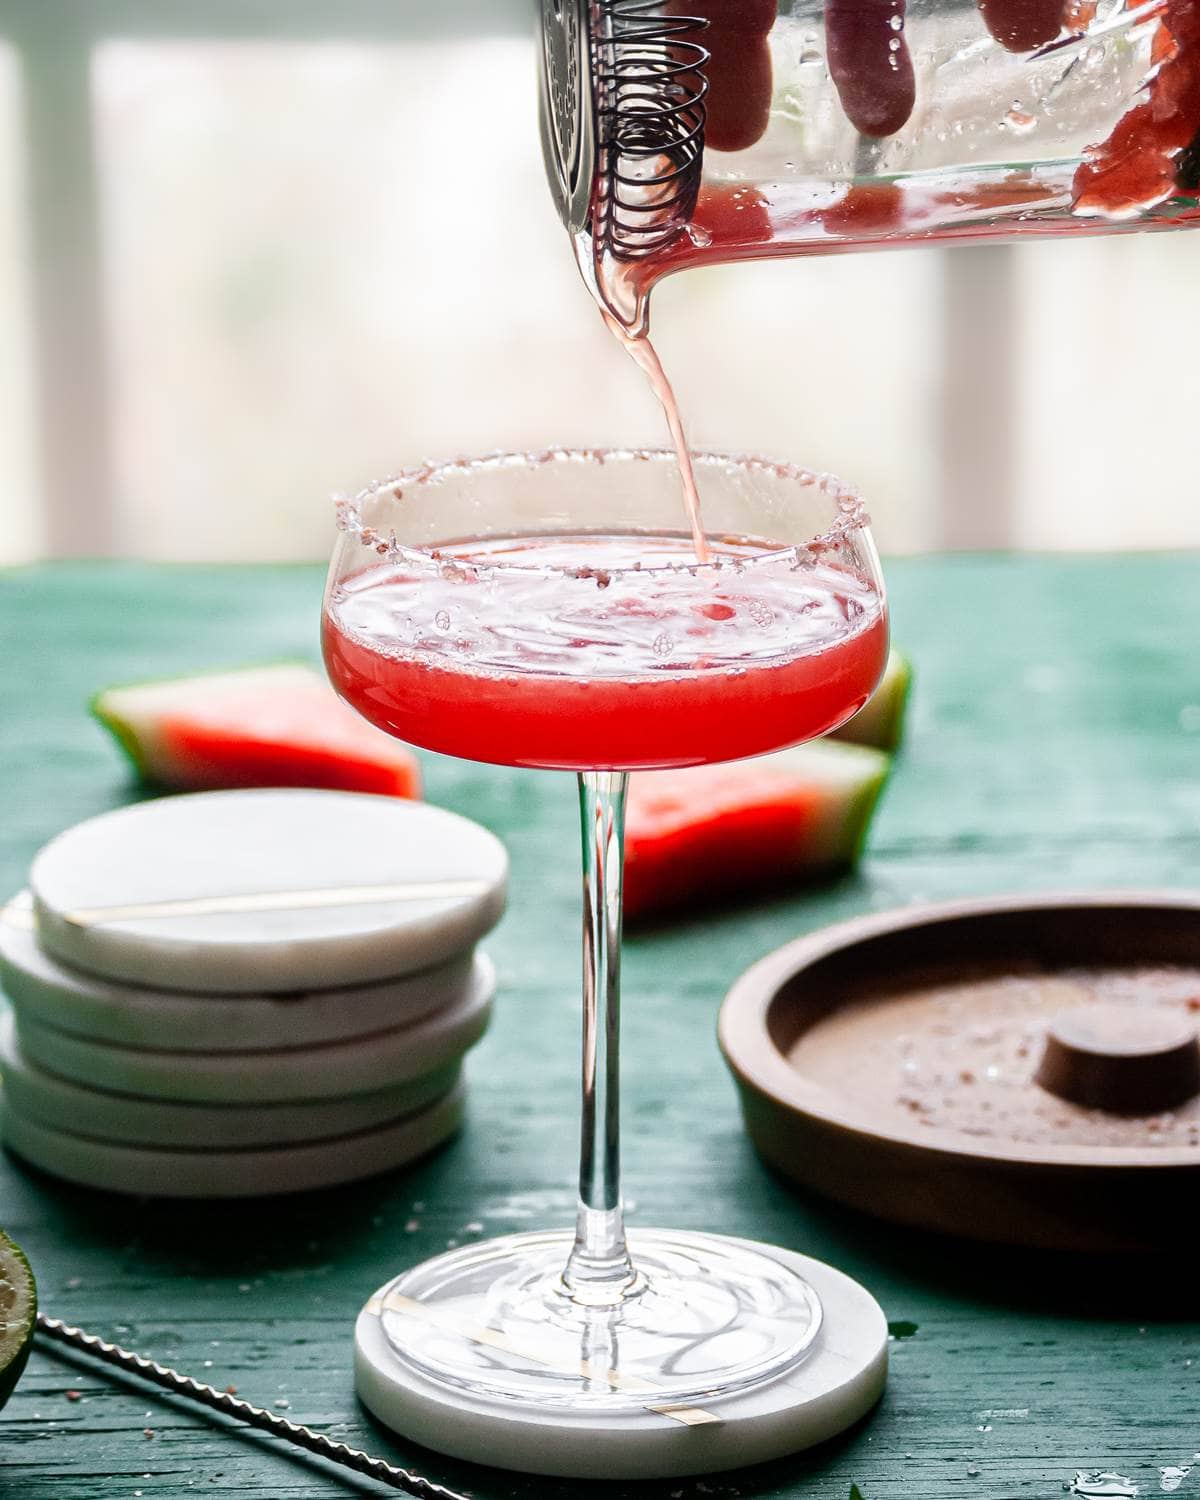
[80, 1003]
[267, 891]
[230, 1174]
[838, 1382]
[274, 1076]
[55, 1102]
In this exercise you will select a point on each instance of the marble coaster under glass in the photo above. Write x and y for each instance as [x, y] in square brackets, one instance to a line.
[467, 1355]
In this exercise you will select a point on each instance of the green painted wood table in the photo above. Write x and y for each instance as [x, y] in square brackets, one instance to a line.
[1055, 741]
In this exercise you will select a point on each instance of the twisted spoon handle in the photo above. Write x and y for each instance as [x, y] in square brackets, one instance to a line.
[254, 1416]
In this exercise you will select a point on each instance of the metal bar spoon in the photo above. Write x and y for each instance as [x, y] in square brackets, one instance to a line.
[254, 1416]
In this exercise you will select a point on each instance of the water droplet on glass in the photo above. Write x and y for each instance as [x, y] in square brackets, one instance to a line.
[810, 52]
[663, 644]
[699, 236]
[1171, 1476]
[1094, 55]
[1019, 120]
[442, 619]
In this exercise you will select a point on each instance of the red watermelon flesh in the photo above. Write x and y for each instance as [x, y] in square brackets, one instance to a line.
[722, 830]
[261, 726]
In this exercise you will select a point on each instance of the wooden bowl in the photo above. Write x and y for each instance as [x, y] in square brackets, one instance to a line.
[834, 1137]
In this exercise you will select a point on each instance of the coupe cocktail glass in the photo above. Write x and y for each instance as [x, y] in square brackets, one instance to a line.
[548, 610]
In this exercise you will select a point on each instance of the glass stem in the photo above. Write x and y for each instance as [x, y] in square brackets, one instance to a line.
[599, 1272]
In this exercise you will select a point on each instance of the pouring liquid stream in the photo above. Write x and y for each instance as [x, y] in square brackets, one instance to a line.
[643, 353]
[645, 356]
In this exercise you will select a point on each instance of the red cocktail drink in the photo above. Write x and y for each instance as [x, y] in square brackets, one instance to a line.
[617, 654]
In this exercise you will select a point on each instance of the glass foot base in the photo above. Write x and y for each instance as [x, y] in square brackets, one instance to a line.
[706, 1317]
[695, 1397]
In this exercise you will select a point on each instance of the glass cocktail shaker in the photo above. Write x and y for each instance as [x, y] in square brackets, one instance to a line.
[683, 132]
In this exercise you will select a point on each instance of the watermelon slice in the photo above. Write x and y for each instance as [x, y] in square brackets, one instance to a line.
[716, 830]
[880, 721]
[261, 726]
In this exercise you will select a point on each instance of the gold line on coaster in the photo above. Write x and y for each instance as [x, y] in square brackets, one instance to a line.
[690, 1416]
[259, 901]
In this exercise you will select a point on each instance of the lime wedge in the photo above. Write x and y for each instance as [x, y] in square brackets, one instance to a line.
[18, 1314]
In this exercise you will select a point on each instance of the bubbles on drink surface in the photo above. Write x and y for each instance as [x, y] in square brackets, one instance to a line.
[615, 606]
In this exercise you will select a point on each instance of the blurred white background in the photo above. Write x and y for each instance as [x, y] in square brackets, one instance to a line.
[253, 251]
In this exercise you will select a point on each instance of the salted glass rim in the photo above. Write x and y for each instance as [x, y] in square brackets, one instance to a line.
[850, 511]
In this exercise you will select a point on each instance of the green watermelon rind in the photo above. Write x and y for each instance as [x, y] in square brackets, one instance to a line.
[13, 1360]
[879, 723]
[120, 730]
[861, 812]
[124, 734]
[852, 779]
[861, 807]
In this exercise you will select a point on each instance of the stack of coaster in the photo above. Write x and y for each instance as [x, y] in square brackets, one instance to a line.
[238, 993]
